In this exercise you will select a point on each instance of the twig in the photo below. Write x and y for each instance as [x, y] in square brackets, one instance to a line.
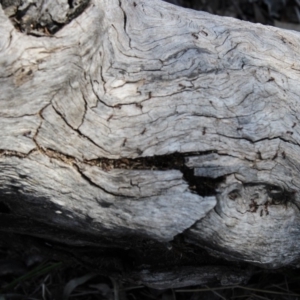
[235, 287]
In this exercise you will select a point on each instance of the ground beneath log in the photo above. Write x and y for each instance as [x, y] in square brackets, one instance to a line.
[44, 279]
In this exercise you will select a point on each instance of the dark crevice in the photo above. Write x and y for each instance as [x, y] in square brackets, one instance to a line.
[74, 129]
[91, 182]
[70, 2]
[262, 139]
[40, 18]
[204, 186]
[125, 17]
[277, 195]
[162, 162]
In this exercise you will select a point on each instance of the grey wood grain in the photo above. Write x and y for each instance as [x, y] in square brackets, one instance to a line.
[135, 79]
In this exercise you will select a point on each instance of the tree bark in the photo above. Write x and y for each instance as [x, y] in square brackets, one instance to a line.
[149, 129]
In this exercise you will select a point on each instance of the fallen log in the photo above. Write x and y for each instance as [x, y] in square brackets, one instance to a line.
[143, 130]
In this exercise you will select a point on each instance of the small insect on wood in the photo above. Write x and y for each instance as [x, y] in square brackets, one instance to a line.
[195, 36]
[275, 156]
[253, 206]
[139, 151]
[144, 130]
[258, 153]
[266, 208]
[27, 133]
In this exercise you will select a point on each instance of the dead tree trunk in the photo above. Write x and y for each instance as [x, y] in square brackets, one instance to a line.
[141, 129]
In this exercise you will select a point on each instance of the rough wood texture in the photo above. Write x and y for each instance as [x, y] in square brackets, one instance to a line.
[129, 80]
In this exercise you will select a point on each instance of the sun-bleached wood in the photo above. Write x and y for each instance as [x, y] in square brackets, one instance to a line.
[136, 79]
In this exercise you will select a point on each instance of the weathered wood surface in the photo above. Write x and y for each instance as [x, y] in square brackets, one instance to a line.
[83, 109]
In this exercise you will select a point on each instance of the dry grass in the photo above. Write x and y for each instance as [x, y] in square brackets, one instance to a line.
[62, 281]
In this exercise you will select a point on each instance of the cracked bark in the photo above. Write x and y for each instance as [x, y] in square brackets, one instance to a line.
[141, 121]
